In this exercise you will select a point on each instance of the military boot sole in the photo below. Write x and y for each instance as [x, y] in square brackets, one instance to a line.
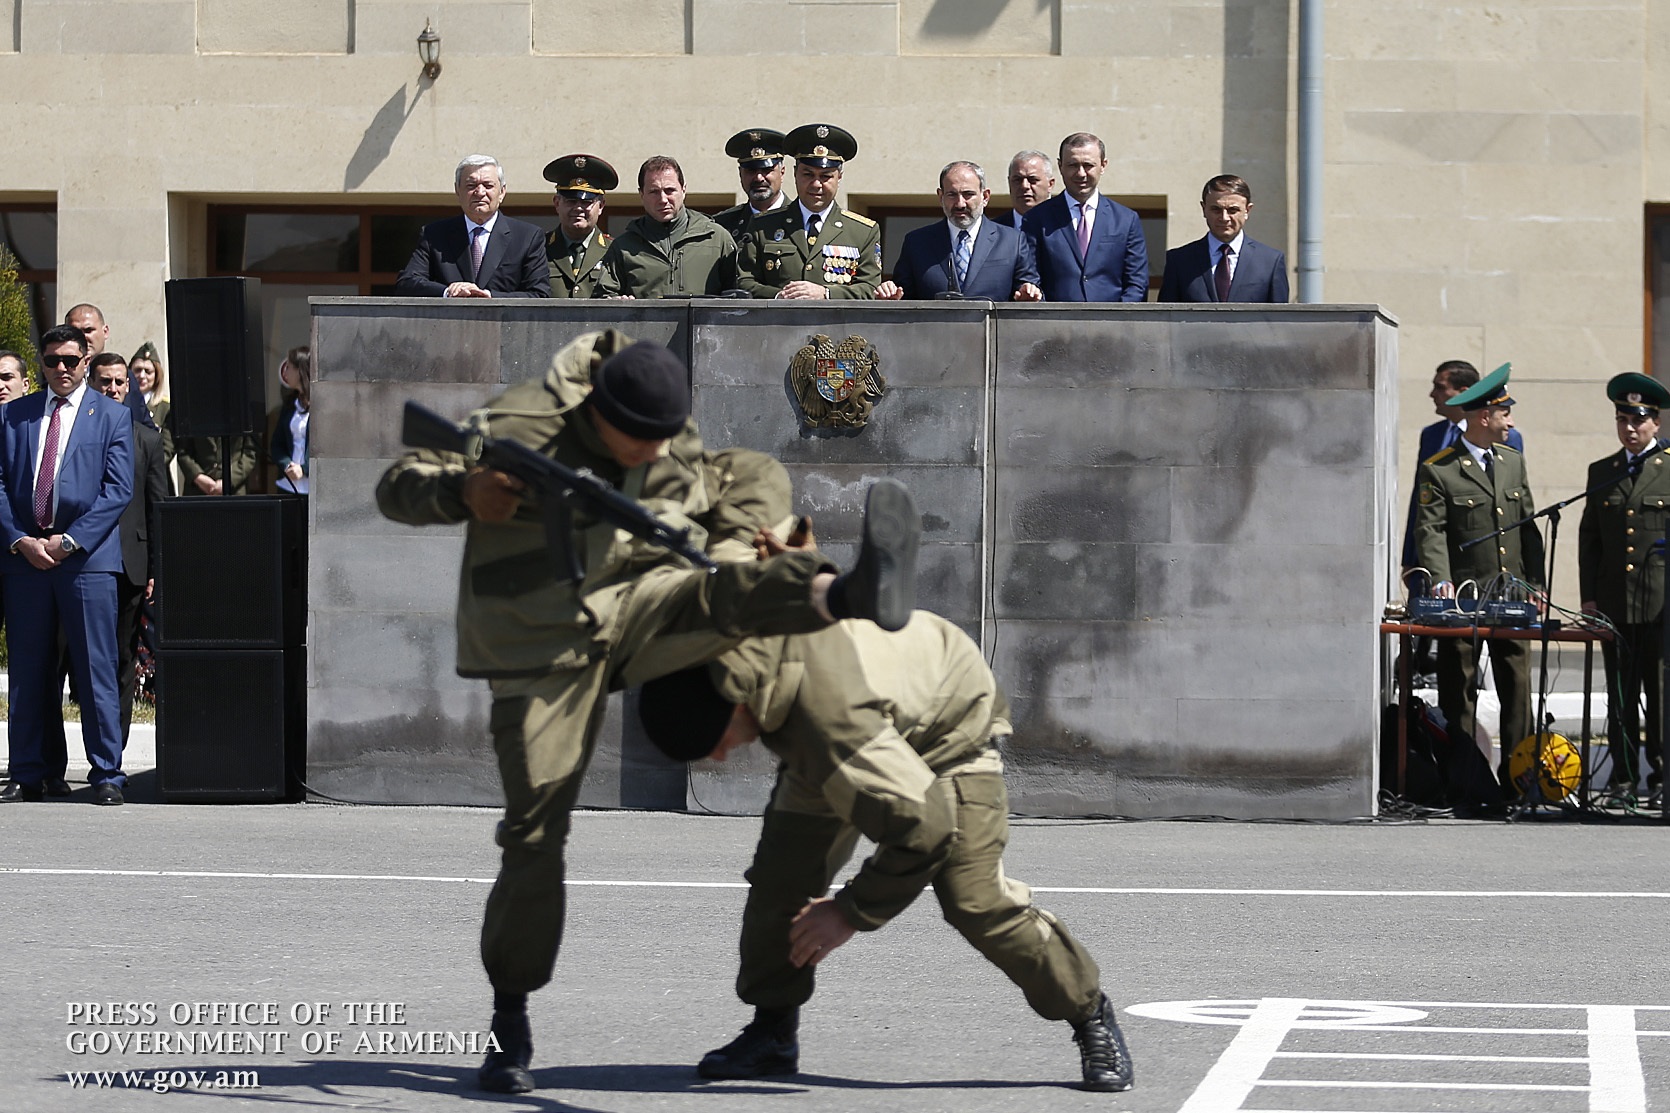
[887, 557]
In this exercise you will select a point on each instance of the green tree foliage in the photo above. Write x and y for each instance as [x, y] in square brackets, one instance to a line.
[16, 322]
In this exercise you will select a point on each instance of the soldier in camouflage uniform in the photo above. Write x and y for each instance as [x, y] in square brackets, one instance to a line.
[576, 246]
[759, 166]
[894, 736]
[552, 649]
[812, 248]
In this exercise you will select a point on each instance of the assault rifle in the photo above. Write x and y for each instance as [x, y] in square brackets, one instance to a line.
[559, 488]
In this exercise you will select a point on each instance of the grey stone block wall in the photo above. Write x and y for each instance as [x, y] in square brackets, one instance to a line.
[1168, 527]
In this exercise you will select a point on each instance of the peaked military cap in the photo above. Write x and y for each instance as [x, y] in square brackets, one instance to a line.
[1637, 394]
[1492, 390]
[582, 174]
[821, 145]
[756, 148]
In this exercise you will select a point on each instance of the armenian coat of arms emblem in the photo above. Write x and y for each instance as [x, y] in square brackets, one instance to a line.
[837, 384]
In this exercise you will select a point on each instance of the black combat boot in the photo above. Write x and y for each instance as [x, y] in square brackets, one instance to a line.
[505, 1071]
[767, 1046]
[882, 584]
[1102, 1052]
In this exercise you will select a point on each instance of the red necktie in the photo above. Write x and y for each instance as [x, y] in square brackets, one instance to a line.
[1220, 277]
[49, 468]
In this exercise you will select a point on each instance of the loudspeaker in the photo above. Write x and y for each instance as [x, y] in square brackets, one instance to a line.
[232, 573]
[230, 725]
[214, 356]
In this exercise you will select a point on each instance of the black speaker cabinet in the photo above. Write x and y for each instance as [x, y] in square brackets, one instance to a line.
[214, 356]
[232, 573]
[230, 725]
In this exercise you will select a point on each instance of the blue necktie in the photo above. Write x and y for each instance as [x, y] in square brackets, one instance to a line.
[962, 257]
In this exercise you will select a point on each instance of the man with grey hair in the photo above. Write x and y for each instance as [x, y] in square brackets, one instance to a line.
[965, 255]
[1031, 181]
[486, 254]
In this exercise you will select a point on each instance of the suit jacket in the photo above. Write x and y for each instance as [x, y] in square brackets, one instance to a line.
[1433, 438]
[1117, 267]
[1616, 567]
[512, 264]
[138, 526]
[568, 281]
[1456, 502]
[1002, 259]
[774, 252]
[1260, 273]
[94, 481]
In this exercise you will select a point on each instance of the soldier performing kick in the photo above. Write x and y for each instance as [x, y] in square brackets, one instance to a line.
[552, 648]
[893, 736]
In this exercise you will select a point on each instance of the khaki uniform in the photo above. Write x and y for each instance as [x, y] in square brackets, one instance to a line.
[201, 456]
[735, 219]
[1620, 571]
[846, 259]
[893, 736]
[552, 650]
[695, 258]
[1456, 502]
[567, 280]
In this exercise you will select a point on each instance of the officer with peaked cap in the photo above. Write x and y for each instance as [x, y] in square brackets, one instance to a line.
[576, 246]
[760, 164]
[1620, 568]
[1463, 492]
[812, 248]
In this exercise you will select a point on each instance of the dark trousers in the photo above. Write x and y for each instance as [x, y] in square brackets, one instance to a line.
[1458, 671]
[1633, 666]
[130, 601]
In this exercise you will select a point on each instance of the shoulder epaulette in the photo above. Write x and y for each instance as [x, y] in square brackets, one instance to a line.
[864, 220]
[1505, 447]
[1440, 456]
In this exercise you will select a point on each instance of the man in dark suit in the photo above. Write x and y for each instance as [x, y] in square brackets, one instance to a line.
[483, 253]
[1031, 182]
[965, 254]
[66, 476]
[1620, 569]
[1226, 264]
[138, 582]
[1090, 248]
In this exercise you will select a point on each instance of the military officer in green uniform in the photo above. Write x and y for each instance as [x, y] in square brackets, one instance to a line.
[670, 251]
[1467, 491]
[759, 166]
[551, 649]
[577, 245]
[813, 248]
[895, 736]
[1620, 568]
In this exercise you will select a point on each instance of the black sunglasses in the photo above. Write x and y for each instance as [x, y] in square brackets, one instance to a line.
[50, 362]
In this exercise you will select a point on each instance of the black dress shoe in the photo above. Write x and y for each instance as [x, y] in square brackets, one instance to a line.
[57, 786]
[1102, 1052]
[505, 1071]
[106, 794]
[16, 791]
[766, 1047]
[882, 584]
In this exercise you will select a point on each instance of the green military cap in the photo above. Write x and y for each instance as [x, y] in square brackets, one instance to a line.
[822, 145]
[1492, 390]
[1637, 394]
[756, 148]
[586, 175]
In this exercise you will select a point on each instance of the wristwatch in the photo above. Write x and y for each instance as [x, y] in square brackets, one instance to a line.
[67, 544]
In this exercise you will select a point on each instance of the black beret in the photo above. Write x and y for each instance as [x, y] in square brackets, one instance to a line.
[644, 391]
[684, 714]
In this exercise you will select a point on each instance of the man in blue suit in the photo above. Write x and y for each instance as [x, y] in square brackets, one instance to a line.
[1226, 264]
[1090, 248]
[965, 255]
[66, 476]
[482, 254]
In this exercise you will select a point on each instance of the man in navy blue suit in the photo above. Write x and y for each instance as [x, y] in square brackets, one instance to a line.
[1226, 264]
[482, 253]
[1090, 247]
[965, 254]
[66, 476]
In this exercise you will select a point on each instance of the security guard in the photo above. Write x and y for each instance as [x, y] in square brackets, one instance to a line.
[894, 736]
[1620, 567]
[576, 246]
[553, 649]
[813, 248]
[759, 166]
[1465, 491]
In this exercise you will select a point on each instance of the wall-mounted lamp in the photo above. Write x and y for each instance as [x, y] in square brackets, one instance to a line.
[429, 49]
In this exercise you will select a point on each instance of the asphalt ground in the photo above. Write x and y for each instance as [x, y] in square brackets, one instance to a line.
[1489, 967]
